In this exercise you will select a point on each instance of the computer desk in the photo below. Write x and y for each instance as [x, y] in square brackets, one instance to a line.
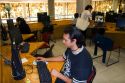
[35, 26]
[31, 73]
[27, 36]
[117, 36]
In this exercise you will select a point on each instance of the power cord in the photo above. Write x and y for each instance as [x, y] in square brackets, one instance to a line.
[28, 68]
[6, 61]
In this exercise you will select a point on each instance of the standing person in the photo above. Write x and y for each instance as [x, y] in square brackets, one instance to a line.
[78, 62]
[87, 16]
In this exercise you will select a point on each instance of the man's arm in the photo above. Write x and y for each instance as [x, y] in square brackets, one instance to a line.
[57, 58]
[61, 76]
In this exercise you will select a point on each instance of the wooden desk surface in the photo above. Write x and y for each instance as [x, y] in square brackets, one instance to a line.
[27, 36]
[117, 36]
[32, 75]
[35, 26]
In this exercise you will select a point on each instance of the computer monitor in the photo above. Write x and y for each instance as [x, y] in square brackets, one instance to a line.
[44, 18]
[95, 14]
[41, 16]
[14, 32]
[111, 16]
[99, 19]
[120, 23]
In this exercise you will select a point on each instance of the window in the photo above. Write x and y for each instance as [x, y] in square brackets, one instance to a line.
[28, 9]
[22, 9]
[65, 8]
[102, 6]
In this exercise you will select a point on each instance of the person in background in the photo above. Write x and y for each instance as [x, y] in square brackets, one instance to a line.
[87, 16]
[76, 15]
[77, 60]
[22, 25]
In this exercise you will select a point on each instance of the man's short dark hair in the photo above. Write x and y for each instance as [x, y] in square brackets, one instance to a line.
[75, 33]
[88, 7]
[18, 19]
[76, 15]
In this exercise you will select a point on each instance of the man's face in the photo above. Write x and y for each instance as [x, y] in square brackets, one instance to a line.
[67, 41]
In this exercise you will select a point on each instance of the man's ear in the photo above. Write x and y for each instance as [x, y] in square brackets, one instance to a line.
[74, 40]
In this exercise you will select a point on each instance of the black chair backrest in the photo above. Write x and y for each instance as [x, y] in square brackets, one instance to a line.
[3, 33]
[106, 43]
[92, 75]
[103, 42]
[46, 37]
[24, 27]
[49, 52]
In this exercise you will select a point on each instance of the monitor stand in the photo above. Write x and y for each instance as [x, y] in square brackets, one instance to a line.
[17, 69]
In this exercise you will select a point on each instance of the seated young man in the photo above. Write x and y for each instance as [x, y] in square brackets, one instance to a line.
[78, 62]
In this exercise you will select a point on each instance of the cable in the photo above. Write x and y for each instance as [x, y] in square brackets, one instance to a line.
[28, 68]
[6, 61]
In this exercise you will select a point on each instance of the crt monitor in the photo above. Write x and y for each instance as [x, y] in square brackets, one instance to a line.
[44, 18]
[111, 16]
[120, 23]
[99, 18]
[14, 32]
[41, 16]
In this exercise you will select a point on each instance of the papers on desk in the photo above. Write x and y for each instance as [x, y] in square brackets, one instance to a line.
[24, 60]
[35, 62]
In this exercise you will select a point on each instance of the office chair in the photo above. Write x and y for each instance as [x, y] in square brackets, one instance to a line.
[94, 31]
[3, 32]
[46, 37]
[47, 32]
[23, 26]
[106, 44]
[92, 75]
[47, 54]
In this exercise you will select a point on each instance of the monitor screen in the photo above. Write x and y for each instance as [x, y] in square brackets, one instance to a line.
[99, 18]
[14, 32]
[120, 23]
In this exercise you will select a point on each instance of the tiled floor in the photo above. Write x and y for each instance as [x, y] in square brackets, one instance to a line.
[112, 74]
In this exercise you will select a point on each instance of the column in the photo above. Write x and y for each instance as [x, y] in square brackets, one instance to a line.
[123, 11]
[115, 5]
[24, 7]
[51, 9]
[80, 5]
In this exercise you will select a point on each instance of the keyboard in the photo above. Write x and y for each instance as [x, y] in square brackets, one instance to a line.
[44, 74]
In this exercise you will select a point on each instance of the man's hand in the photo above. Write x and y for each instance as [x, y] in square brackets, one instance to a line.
[41, 59]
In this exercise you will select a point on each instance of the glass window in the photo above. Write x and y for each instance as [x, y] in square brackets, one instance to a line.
[22, 9]
[65, 8]
[37, 7]
[102, 6]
